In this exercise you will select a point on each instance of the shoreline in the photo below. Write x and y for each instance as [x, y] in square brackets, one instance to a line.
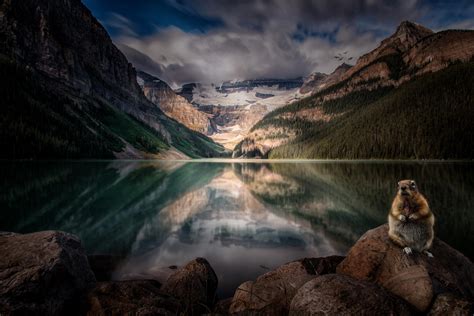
[380, 278]
[251, 160]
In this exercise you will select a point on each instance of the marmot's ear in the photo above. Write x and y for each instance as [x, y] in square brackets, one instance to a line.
[398, 183]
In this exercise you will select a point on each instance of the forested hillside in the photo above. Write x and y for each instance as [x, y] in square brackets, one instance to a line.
[44, 120]
[429, 117]
[68, 92]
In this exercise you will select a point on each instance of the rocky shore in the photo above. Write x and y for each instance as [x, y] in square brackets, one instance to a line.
[49, 273]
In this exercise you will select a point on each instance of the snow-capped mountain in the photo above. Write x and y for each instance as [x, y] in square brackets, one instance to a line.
[235, 106]
[239, 92]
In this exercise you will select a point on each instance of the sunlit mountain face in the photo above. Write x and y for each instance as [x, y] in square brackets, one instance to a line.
[236, 62]
[245, 218]
[178, 79]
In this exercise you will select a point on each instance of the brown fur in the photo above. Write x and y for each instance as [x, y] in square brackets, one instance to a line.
[410, 219]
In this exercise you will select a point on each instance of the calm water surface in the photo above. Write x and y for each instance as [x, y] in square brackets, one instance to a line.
[245, 218]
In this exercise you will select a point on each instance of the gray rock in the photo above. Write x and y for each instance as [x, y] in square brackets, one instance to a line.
[42, 273]
[334, 294]
[416, 278]
[194, 285]
[449, 304]
[271, 293]
[140, 297]
[222, 307]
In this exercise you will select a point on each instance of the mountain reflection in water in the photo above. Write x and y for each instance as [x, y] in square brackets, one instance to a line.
[243, 217]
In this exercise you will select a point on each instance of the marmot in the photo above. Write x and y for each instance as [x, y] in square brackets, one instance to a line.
[410, 219]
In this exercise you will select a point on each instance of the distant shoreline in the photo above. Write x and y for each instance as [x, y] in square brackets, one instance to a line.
[253, 160]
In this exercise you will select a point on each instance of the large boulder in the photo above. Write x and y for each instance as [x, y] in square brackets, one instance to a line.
[194, 285]
[271, 293]
[416, 278]
[334, 294]
[449, 304]
[42, 273]
[139, 297]
[222, 307]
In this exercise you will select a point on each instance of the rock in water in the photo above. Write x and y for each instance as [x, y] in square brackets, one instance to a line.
[416, 278]
[140, 297]
[194, 285]
[334, 294]
[42, 273]
[271, 293]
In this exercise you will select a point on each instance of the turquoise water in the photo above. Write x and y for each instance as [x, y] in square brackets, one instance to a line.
[245, 218]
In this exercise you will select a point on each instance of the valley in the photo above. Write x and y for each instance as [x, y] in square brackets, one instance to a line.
[352, 112]
[224, 112]
[63, 103]
[234, 107]
[219, 157]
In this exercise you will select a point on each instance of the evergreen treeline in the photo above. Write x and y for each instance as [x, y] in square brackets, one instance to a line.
[46, 120]
[430, 117]
[37, 124]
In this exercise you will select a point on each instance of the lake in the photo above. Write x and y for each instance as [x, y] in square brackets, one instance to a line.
[244, 217]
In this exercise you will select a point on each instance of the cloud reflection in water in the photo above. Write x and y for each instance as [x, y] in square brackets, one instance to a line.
[243, 217]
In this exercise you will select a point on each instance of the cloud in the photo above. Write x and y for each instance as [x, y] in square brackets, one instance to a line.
[144, 62]
[442, 14]
[266, 38]
[222, 55]
[263, 14]
[462, 25]
[120, 23]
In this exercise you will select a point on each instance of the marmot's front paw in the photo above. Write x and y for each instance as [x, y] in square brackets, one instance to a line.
[402, 218]
[429, 254]
[413, 217]
[407, 250]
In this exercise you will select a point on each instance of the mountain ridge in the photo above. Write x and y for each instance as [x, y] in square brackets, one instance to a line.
[411, 52]
[174, 105]
[318, 81]
[71, 57]
[392, 62]
[231, 107]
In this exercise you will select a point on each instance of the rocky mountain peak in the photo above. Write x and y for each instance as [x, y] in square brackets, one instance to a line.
[412, 28]
[405, 37]
[408, 33]
[342, 68]
[174, 105]
[63, 40]
[146, 80]
[315, 76]
[318, 81]
[64, 54]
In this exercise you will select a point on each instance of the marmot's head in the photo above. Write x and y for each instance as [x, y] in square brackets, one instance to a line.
[407, 188]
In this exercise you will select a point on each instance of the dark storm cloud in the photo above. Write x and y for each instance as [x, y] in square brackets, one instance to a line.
[144, 62]
[260, 14]
[214, 41]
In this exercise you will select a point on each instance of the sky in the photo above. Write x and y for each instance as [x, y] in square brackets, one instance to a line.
[183, 41]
